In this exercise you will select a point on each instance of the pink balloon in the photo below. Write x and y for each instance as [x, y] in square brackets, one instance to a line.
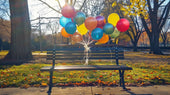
[123, 25]
[68, 11]
[100, 21]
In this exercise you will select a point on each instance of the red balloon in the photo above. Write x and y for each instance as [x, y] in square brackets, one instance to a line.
[68, 11]
[123, 25]
[101, 27]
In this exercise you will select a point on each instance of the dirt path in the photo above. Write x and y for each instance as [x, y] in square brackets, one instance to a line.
[149, 90]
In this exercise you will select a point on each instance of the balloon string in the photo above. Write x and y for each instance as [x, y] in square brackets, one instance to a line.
[86, 50]
[111, 55]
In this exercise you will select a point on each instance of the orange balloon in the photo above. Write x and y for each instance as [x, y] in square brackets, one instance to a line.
[90, 23]
[104, 39]
[64, 33]
[77, 37]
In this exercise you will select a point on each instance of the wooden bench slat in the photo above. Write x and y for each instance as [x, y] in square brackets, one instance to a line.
[106, 57]
[81, 58]
[63, 50]
[92, 51]
[82, 48]
[86, 67]
[58, 55]
[83, 54]
[66, 58]
[106, 54]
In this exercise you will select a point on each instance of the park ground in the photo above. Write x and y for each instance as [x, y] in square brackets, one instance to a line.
[148, 90]
[150, 76]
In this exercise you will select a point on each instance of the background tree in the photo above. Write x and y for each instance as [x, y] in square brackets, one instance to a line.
[93, 7]
[135, 29]
[4, 9]
[149, 10]
[164, 33]
[134, 32]
[20, 31]
[112, 6]
[5, 28]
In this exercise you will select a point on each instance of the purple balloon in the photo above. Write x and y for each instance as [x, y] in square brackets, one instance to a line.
[100, 21]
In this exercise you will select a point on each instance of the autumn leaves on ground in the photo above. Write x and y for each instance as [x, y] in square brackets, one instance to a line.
[148, 69]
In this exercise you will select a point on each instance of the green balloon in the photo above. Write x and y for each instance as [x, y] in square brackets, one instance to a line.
[108, 28]
[80, 18]
[115, 34]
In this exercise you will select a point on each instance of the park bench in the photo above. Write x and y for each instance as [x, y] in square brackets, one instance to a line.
[77, 53]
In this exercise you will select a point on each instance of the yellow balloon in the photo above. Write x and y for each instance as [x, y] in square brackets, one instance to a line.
[82, 29]
[113, 19]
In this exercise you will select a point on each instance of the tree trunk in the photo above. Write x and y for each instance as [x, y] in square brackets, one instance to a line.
[164, 43]
[156, 49]
[135, 47]
[20, 31]
[164, 38]
[154, 40]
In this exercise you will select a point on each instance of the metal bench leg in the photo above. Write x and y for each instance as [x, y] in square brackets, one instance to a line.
[51, 83]
[122, 78]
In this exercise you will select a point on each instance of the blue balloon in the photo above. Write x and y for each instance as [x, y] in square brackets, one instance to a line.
[97, 34]
[108, 28]
[80, 18]
[63, 21]
[70, 28]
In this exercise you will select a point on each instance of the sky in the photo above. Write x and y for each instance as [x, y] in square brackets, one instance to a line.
[36, 9]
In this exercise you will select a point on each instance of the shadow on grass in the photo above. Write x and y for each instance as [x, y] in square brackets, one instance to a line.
[4, 63]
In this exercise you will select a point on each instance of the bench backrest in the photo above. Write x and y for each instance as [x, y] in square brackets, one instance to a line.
[77, 53]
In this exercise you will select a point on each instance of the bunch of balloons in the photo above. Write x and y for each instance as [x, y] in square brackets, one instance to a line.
[75, 24]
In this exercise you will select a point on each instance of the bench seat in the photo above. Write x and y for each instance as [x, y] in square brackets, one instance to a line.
[86, 67]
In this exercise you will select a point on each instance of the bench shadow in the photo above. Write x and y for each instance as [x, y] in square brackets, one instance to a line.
[4, 64]
[132, 93]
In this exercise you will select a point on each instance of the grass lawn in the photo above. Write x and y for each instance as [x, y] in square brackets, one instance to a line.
[5, 52]
[145, 72]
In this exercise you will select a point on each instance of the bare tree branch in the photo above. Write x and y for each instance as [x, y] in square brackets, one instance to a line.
[71, 2]
[149, 5]
[45, 18]
[59, 4]
[167, 8]
[83, 4]
[145, 26]
[161, 3]
[74, 3]
[49, 6]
